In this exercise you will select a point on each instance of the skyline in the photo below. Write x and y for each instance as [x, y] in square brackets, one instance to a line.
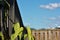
[40, 13]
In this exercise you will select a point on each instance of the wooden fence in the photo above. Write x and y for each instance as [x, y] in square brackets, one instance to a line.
[48, 34]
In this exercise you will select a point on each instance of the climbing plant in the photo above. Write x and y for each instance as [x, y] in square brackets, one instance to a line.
[18, 32]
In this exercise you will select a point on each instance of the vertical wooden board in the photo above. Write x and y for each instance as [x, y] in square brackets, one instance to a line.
[36, 35]
[45, 35]
[39, 34]
[57, 35]
[33, 33]
[53, 35]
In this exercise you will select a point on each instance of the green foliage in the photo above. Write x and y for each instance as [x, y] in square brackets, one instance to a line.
[30, 37]
[1, 34]
[18, 32]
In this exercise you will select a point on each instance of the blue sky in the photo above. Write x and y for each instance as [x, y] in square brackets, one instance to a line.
[40, 13]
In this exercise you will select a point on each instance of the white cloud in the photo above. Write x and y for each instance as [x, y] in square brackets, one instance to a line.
[58, 16]
[51, 6]
[59, 26]
[52, 18]
[56, 24]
